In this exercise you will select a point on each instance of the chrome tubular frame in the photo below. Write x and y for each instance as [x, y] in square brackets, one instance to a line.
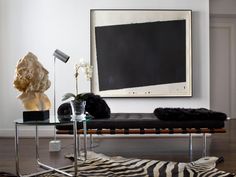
[44, 166]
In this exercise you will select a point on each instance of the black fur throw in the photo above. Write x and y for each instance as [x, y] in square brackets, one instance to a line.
[95, 106]
[183, 114]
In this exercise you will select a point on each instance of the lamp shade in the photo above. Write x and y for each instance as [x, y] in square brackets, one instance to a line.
[61, 56]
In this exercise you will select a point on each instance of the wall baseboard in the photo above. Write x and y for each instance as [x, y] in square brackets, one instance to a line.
[27, 132]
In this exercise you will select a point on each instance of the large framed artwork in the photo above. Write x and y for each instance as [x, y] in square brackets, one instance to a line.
[141, 53]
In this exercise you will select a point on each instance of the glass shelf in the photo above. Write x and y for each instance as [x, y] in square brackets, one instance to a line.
[52, 121]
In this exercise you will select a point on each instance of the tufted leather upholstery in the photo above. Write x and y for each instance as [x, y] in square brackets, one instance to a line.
[142, 121]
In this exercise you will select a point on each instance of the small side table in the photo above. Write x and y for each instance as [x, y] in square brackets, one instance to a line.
[50, 122]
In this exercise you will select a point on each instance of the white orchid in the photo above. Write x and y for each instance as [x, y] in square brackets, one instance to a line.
[87, 69]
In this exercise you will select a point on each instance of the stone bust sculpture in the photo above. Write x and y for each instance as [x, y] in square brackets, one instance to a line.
[31, 78]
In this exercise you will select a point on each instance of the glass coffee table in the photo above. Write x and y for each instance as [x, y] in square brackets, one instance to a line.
[51, 122]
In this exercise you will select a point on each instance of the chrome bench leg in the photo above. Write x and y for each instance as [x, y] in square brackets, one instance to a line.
[190, 147]
[91, 142]
[204, 145]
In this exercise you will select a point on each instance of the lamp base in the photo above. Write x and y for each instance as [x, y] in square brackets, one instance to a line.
[54, 146]
[35, 115]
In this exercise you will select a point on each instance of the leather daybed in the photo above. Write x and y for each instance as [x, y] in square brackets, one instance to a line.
[144, 123]
[161, 121]
[147, 123]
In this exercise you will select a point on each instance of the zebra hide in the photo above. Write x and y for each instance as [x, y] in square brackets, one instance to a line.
[99, 165]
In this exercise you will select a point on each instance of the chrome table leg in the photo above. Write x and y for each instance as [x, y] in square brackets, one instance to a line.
[85, 140]
[75, 147]
[37, 143]
[17, 150]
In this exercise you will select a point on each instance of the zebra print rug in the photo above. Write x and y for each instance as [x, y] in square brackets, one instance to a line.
[99, 165]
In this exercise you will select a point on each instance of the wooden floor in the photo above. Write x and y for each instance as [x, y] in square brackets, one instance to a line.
[156, 147]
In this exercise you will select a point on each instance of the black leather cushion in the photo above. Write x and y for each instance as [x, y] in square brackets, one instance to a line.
[142, 120]
[185, 114]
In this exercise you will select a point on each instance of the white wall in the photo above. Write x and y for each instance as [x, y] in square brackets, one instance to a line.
[223, 55]
[42, 26]
[225, 7]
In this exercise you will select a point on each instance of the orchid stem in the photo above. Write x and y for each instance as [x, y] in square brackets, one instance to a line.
[76, 79]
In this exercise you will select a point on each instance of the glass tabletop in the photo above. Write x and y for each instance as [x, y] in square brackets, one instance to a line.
[53, 120]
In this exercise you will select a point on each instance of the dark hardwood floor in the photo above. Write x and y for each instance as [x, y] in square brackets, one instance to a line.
[156, 147]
